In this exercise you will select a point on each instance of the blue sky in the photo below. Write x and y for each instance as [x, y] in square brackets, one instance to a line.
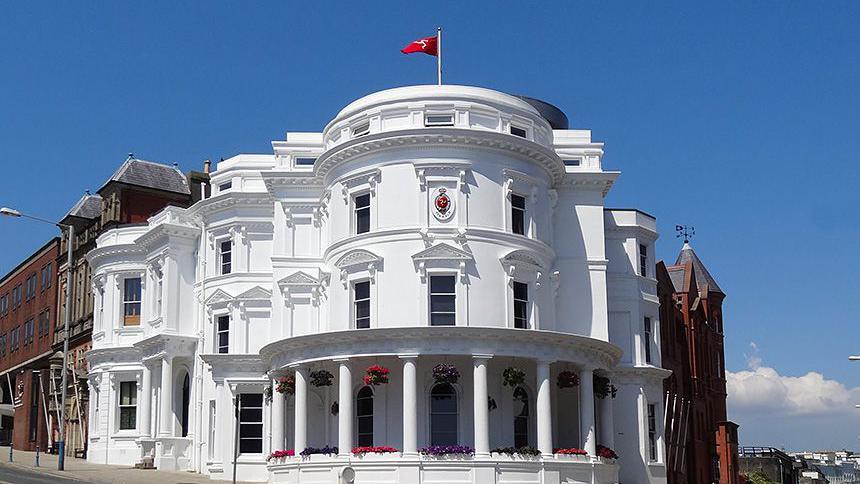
[742, 119]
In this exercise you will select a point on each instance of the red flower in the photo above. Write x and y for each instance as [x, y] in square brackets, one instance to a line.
[381, 449]
[569, 451]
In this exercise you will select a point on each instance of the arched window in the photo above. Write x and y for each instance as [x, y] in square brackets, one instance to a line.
[443, 415]
[364, 415]
[186, 401]
[521, 417]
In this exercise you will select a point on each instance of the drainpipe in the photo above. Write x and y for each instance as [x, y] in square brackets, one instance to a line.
[198, 377]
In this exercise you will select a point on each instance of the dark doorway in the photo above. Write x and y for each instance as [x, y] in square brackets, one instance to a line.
[186, 401]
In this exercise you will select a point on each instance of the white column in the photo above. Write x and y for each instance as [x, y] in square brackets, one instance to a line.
[278, 406]
[301, 410]
[166, 419]
[606, 426]
[544, 409]
[345, 411]
[145, 405]
[586, 410]
[482, 412]
[410, 405]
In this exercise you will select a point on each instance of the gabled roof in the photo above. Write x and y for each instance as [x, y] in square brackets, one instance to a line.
[703, 277]
[150, 174]
[88, 207]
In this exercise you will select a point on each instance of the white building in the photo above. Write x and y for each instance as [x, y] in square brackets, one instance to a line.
[425, 225]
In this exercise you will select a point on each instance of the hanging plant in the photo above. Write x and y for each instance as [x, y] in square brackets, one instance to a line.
[491, 403]
[513, 376]
[321, 378]
[286, 384]
[445, 373]
[603, 388]
[335, 408]
[376, 375]
[267, 392]
[567, 379]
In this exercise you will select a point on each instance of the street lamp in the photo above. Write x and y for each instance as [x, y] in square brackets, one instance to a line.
[70, 230]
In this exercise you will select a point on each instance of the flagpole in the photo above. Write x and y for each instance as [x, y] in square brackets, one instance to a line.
[439, 54]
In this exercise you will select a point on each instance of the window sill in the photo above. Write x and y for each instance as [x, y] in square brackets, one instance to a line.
[129, 330]
[126, 435]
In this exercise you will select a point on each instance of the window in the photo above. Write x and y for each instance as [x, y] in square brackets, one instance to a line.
[517, 131]
[16, 295]
[362, 213]
[226, 256]
[364, 416]
[647, 336]
[4, 305]
[128, 405]
[251, 423]
[131, 302]
[14, 338]
[46, 276]
[652, 432]
[222, 335]
[44, 322]
[3, 345]
[518, 214]
[521, 417]
[361, 130]
[572, 162]
[28, 332]
[361, 304]
[305, 161]
[225, 186]
[31, 287]
[34, 406]
[643, 260]
[521, 305]
[439, 120]
[443, 415]
[443, 300]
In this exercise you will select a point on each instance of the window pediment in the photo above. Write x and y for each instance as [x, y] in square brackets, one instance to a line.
[522, 263]
[442, 256]
[356, 260]
[219, 297]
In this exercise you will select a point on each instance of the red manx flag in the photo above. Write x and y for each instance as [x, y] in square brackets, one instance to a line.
[426, 45]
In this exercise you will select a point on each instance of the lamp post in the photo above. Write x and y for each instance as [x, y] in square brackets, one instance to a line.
[70, 232]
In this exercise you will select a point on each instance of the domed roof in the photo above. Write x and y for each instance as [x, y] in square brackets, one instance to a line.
[445, 92]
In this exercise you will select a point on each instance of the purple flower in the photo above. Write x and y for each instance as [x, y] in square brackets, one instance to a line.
[439, 450]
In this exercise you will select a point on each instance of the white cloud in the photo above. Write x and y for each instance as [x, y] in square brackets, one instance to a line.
[761, 389]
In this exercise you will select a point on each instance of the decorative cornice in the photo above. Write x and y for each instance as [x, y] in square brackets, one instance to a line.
[602, 180]
[232, 199]
[435, 340]
[434, 137]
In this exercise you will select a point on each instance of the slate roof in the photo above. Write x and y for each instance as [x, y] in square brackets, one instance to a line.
[676, 274]
[88, 207]
[150, 174]
[702, 275]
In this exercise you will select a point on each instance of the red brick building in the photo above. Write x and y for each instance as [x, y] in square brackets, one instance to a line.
[701, 446]
[28, 302]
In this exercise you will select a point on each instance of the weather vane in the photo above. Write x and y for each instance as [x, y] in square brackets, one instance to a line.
[684, 231]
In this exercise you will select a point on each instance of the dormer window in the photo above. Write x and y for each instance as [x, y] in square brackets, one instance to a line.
[518, 131]
[573, 162]
[305, 161]
[439, 120]
[225, 186]
[361, 130]
[643, 260]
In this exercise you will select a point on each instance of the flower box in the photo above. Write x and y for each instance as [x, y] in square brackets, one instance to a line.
[447, 452]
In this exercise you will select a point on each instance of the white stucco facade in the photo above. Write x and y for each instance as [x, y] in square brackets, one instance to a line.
[323, 256]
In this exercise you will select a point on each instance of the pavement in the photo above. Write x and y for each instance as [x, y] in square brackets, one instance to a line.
[23, 470]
